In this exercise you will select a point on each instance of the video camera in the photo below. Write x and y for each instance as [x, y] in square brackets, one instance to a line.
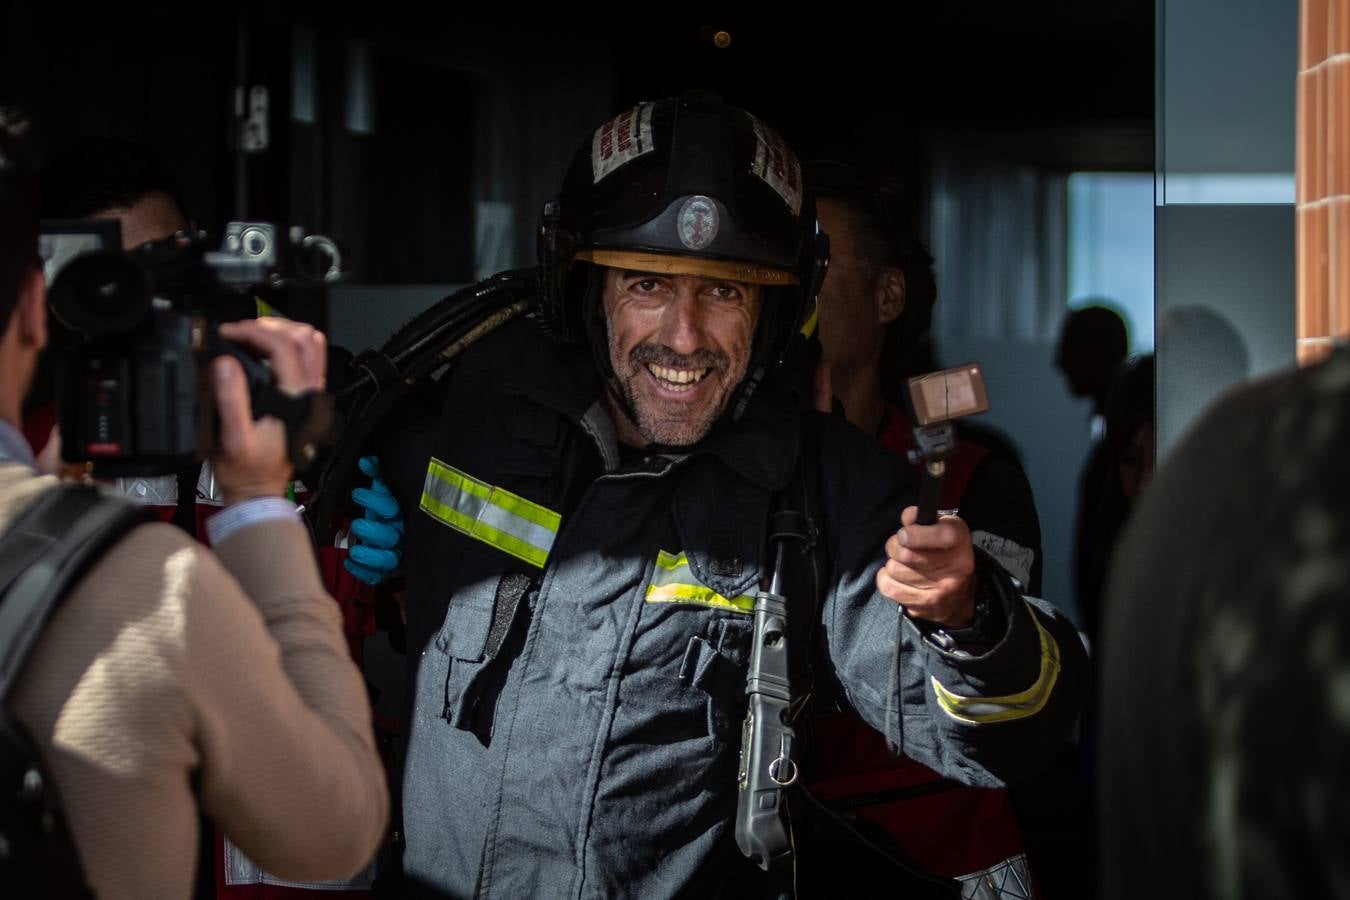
[133, 397]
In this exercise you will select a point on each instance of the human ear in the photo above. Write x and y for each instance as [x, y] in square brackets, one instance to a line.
[889, 295]
[31, 311]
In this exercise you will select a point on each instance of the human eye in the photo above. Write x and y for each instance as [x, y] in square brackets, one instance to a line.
[726, 291]
[642, 284]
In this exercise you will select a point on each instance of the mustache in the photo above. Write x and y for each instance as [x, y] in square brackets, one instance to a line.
[661, 355]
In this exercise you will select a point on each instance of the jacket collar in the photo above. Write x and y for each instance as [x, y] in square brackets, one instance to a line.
[761, 446]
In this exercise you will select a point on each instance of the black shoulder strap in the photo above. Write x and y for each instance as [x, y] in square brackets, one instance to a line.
[45, 550]
[803, 498]
[42, 554]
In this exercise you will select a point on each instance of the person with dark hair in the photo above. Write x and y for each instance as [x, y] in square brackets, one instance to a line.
[587, 541]
[875, 311]
[171, 679]
[876, 305]
[1093, 342]
[100, 178]
[1226, 647]
[105, 178]
[112, 178]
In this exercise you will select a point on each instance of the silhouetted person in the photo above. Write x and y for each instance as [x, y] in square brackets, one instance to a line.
[1092, 344]
[1125, 455]
[1130, 429]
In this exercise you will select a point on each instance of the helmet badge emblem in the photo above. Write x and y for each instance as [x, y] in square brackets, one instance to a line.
[697, 222]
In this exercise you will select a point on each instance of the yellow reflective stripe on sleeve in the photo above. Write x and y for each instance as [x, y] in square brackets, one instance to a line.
[673, 582]
[987, 710]
[489, 514]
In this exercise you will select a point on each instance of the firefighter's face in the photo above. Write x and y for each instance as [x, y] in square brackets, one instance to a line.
[679, 345]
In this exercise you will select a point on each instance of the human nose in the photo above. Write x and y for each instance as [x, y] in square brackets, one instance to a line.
[683, 322]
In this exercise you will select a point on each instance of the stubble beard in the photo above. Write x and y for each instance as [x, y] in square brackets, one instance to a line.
[668, 422]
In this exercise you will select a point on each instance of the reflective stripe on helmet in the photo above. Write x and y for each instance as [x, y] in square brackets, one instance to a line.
[987, 710]
[489, 514]
[671, 264]
[673, 582]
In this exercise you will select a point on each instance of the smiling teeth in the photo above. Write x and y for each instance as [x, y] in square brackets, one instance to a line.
[680, 377]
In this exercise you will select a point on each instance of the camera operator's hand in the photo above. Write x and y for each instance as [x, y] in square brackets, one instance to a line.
[250, 459]
[930, 570]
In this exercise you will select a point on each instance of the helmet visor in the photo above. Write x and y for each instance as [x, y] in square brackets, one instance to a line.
[670, 264]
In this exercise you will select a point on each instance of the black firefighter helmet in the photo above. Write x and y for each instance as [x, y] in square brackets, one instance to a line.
[693, 186]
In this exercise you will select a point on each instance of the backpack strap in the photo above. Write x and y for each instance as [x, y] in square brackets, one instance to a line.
[43, 553]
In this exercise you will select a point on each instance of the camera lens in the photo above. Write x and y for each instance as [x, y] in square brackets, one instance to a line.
[256, 242]
[101, 293]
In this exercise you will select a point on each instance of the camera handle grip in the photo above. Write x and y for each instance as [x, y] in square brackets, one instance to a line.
[930, 490]
[307, 417]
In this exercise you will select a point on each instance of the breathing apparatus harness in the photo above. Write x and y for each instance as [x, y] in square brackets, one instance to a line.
[386, 374]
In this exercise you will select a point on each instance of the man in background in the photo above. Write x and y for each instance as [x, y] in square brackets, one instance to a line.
[875, 309]
[111, 178]
[1092, 345]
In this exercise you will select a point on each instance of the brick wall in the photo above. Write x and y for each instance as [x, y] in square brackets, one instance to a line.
[1323, 177]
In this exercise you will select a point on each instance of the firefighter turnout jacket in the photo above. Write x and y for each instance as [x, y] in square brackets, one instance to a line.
[579, 625]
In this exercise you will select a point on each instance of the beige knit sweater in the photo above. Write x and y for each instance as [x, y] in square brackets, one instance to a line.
[169, 667]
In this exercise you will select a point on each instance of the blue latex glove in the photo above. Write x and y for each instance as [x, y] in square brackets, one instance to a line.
[376, 544]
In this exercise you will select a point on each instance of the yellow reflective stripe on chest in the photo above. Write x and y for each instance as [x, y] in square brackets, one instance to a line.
[489, 514]
[674, 582]
[987, 710]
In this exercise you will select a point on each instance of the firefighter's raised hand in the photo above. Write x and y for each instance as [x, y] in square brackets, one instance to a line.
[930, 570]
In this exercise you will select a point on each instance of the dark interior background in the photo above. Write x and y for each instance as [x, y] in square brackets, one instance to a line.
[426, 144]
[387, 130]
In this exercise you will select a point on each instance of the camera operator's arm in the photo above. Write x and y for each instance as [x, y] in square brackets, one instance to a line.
[290, 770]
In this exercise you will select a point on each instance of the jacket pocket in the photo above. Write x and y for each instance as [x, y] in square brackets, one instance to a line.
[715, 663]
[478, 626]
